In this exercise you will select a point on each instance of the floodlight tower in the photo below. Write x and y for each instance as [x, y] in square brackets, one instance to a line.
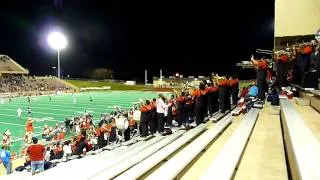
[57, 41]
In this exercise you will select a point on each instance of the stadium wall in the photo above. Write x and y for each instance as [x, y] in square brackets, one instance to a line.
[296, 21]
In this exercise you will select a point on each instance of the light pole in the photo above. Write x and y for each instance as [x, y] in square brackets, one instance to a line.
[57, 41]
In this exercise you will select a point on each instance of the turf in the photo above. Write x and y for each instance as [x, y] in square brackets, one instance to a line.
[49, 112]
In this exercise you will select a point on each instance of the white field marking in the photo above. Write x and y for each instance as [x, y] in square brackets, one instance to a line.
[46, 119]
[53, 109]
[36, 112]
[14, 137]
[17, 125]
[67, 107]
[19, 139]
[25, 117]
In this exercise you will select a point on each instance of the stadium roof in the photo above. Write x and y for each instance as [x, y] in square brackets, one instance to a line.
[9, 66]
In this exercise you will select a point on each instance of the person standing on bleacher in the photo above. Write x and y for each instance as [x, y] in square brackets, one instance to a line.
[161, 106]
[261, 66]
[36, 153]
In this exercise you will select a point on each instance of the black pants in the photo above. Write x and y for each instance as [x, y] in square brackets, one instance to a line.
[180, 114]
[235, 92]
[200, 111]
[160, 122]
[222, 98]
[153, 122]
[227, 98]
[170, 116]
[262, 83]
[144, 124]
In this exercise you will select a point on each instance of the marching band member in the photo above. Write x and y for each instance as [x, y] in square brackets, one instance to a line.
[213, 104]
[145, 118]
[153, 120]
[281, 60]
[180, 109]
[235, 89]
[200, 103]
[223, 85]
[261, 66]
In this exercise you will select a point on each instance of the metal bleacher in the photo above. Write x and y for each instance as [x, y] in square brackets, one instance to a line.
[301, 144]
[147, 164]
[225, 163]
[136, 158]
[183, 158]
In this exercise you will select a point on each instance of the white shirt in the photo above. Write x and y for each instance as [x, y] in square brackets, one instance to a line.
[19, 110]
[161, 106]
[67, 149]
[47, 156]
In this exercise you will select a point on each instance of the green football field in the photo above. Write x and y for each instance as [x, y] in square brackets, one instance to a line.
[46, 111]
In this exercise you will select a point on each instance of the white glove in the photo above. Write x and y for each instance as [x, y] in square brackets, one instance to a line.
[252, 58]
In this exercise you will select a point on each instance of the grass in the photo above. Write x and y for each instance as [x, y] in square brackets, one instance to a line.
[46, 111]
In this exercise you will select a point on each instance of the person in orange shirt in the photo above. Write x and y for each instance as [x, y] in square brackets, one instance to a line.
[261, 66]
[213, 103]
[200, 103]
[145, 118]
[180, 118]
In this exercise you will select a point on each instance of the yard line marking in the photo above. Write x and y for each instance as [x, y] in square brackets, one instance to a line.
[36, 112]
[36, 135]
[26, 117]
[17, 124]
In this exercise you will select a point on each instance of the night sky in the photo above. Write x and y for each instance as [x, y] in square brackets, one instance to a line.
[129, 38]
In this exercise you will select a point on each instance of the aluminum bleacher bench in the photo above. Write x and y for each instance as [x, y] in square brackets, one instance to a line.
[79, 168]
[236, 111]
[217, 116]
[136, 158]
[224, 164]
[303, 148]
[138, 170]
[177, 163]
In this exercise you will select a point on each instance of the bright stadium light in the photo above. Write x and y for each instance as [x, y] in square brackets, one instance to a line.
[57, 41]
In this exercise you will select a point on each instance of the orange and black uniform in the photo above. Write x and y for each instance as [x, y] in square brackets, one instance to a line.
[153, 117]
[223, 95]
[188, 109]
[170, 114]
[281, 71]
[213, 104]
[234, 83]
[180, 110]
[144, 119]
[200, 105]
[262, 78]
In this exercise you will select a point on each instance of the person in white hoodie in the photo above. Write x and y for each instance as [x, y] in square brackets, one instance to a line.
[161, 108]
[67, 150]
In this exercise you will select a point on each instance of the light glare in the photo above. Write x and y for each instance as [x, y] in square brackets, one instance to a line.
[57, 40]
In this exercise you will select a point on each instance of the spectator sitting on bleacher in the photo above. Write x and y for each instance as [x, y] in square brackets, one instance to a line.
[253, 91]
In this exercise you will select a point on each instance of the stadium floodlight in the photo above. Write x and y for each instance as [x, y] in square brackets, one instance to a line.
[57, 41]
